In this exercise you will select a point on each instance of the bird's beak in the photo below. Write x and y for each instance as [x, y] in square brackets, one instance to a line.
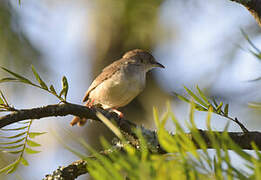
[156, 64]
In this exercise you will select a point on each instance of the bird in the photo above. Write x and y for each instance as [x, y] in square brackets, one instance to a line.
[119, 83]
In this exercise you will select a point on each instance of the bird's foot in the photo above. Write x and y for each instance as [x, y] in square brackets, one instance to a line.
[90, 103]
[79, 121]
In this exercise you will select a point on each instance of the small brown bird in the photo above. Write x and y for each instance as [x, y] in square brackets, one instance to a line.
[120, 82]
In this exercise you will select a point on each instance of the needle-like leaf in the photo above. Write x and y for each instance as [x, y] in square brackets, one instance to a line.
[38, 78]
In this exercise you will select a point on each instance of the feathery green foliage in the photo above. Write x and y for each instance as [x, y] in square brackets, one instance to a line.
[257, 53]
[42, 85]
[19, 143]
[183, 159]
[202, 103]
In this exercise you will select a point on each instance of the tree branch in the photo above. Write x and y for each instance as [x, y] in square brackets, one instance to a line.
[69, 172]
[253, 6]
[242, 139]
[64, 110]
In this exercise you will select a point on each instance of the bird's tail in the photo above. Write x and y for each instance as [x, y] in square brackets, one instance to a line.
[78, 121]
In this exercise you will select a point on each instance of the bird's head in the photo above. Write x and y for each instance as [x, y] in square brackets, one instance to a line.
[143, 58]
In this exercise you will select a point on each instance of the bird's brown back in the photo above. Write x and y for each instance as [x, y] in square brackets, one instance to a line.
[107, 72]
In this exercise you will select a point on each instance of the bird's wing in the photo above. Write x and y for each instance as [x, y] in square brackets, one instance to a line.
[106, 73]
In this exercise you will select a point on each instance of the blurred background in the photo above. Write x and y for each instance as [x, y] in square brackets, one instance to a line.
[199, 42]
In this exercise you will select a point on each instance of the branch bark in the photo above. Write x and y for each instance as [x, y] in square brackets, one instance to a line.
[69, 172]
[64, 110]
[253, 6]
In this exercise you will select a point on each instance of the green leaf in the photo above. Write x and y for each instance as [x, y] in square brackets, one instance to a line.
[9, 167]
[219, 107]
[8, 79]
[53, 90]
[182, 98]
[24, 122]
[110, 125]
[65, 88]
[257, 55]
[255, 105]
[20, 78]
[14, 129]
[24, 161]
[194, 96]
[38, 78]
[14, 136]
[34, 134]
[200, 108]
[3, 98]
[12, 142]
[14, 152]
[202, 95]
[31, 151]
[250, 42]
[215, 102]
[13, 168]
[226, 109]
[2, 101]
[32, 143]
[156, 117]
[11, 147]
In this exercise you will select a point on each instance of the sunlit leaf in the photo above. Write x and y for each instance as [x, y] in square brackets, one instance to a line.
[14, 136]
[34, 134]
[195, 97]
[2, 101]
[14, 129]
[249, 41]
[219, 107]
[13, 168]
[65, 87]
[13, 152]
[156, 117]
[24, 122]
[38, 78]
[11, 147]
[19, 77]
[24, 161]
[200, 108]
[215, 102]
[3, 98]
[32, 143]
[110, 125]
[226, 109]
[202, 95]
[255, 105]
[31, 151]
[53, 90]
[182, 98]
[9, 167]
[8, 79]
[12, 142]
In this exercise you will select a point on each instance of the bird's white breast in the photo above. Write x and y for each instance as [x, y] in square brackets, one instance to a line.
[121, 88]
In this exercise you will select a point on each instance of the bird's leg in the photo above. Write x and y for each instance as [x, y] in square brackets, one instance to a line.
[118, 112]
[89, 103]
[82, 121]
